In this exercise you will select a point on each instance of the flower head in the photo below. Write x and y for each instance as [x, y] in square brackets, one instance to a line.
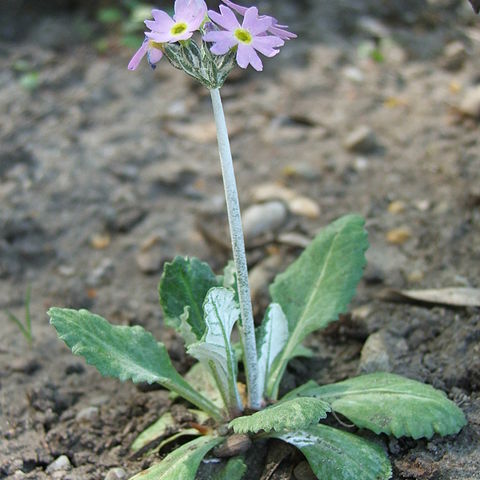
[189, 15]
[149, 48]
[276, 29]
[249, 37]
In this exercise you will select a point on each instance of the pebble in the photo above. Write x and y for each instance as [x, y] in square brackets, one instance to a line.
[62, 463]
[232, 446]
[262, 274]
[272, 191]
[103, 274]
[362, 139]
[149, 258]
[116, 473]
[353, 74]
[398, 236]
[100, 241]
[87, 415]
[170, 173]
[396, 207]
[304, 207]
[470, 104]
[378, 351]
[455, 56]
[264, 218]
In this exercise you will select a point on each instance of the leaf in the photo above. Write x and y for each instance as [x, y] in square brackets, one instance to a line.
[319, 285]
[455, 297]
[271, 338]
[182, 463]
[391, 404]
[215, 349]
[182, 289]
[200, 378]
[127, 353]
[289, 415]
[337, 455]
[166, 425]
[229, 279]
[234, 470]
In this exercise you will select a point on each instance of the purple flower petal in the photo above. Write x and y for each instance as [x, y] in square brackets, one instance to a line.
[159, 37]
[223, 47]
[246, 55]
[162, 21]
[218, 36]
[234, 6]
[254, 24]
[154, 56]
[267, 45]
[226, 18]
[139, 54]
[281, 32]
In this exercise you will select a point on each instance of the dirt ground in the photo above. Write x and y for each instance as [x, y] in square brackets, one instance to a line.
[106, 174]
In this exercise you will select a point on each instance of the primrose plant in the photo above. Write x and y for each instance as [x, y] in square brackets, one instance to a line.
[205, 308]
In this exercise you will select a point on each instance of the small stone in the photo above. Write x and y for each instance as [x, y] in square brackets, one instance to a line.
[87, 415]
[234, 445]
[362, 139]
[379, 350]
[66, 270]
[272, 191]
[304, 207]
[416, 276]
[62, 463]
[396, 207]
[455, 56]
[353, 74]
[150, 259]
[294, 239]
[398, 236]
[264, 218]
[470, 104]
[103, 274]
[116, 473]
[423, 205]
[100, 241]
[361, 164]
[170, 174]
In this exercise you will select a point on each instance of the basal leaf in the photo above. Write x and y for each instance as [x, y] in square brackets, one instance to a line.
[182, 289]
[391, 404]
[319, 285]
[337, 455]
[182, 463]
[126, 353]
[229, 279]
[234, 470]
[215, 349]
[271, 338]
[165, 426]
[289, 415]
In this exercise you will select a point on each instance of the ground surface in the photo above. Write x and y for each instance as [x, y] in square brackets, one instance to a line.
[105, 174]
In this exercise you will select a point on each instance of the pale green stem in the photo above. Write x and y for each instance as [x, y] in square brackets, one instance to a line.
[238, 247]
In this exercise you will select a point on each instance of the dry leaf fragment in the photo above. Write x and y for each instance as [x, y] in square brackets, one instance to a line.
[453, 296]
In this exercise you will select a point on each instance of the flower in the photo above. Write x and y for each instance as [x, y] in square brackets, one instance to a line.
[276, 29]
[249, 37]
[149, 48]
[189, 15]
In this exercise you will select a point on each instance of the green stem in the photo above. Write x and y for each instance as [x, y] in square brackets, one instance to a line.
[239, 255]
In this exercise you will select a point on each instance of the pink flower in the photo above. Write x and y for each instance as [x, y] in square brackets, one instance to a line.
[149, 48]
[276, 29]
[249, 37]
[189, 15]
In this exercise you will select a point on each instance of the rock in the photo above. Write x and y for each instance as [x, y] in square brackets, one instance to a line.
[170, 174]
[396, 207]
[398, 236]
[455, 56]
[379, 351]
[62, 463]
[103, 274]
[116, 473]
[272, 191]
[304, 207]
[470, 104]
[264, 218]
[362, 140]
[123, 218]
[87, 415]
[262, 274]
[232, 446]
[150, 258]
[353, 74]
[100, 241]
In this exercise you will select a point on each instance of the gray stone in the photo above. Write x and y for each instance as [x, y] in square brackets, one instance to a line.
[264, 218]
[362, 139]
[62, 463]
[103, 274]
[116, 473]
[88, 414]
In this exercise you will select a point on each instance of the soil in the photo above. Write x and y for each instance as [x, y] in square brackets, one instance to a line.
[106, 174]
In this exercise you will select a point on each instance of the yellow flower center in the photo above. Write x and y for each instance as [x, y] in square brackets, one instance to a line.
[243, 36]
[178, 28]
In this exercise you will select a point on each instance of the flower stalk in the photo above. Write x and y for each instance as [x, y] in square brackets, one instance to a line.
[239, 255]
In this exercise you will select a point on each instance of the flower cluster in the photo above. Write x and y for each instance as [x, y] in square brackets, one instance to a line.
[223, 31]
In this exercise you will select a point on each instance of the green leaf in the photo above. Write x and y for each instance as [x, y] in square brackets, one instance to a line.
[234, 470]
[182, 289]
[271, 338]
[337, 455]
[182, 463]
[289, 415]
[319, 285]
[165, 426]
[215, 349]
[391, 404]
[127, 353]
